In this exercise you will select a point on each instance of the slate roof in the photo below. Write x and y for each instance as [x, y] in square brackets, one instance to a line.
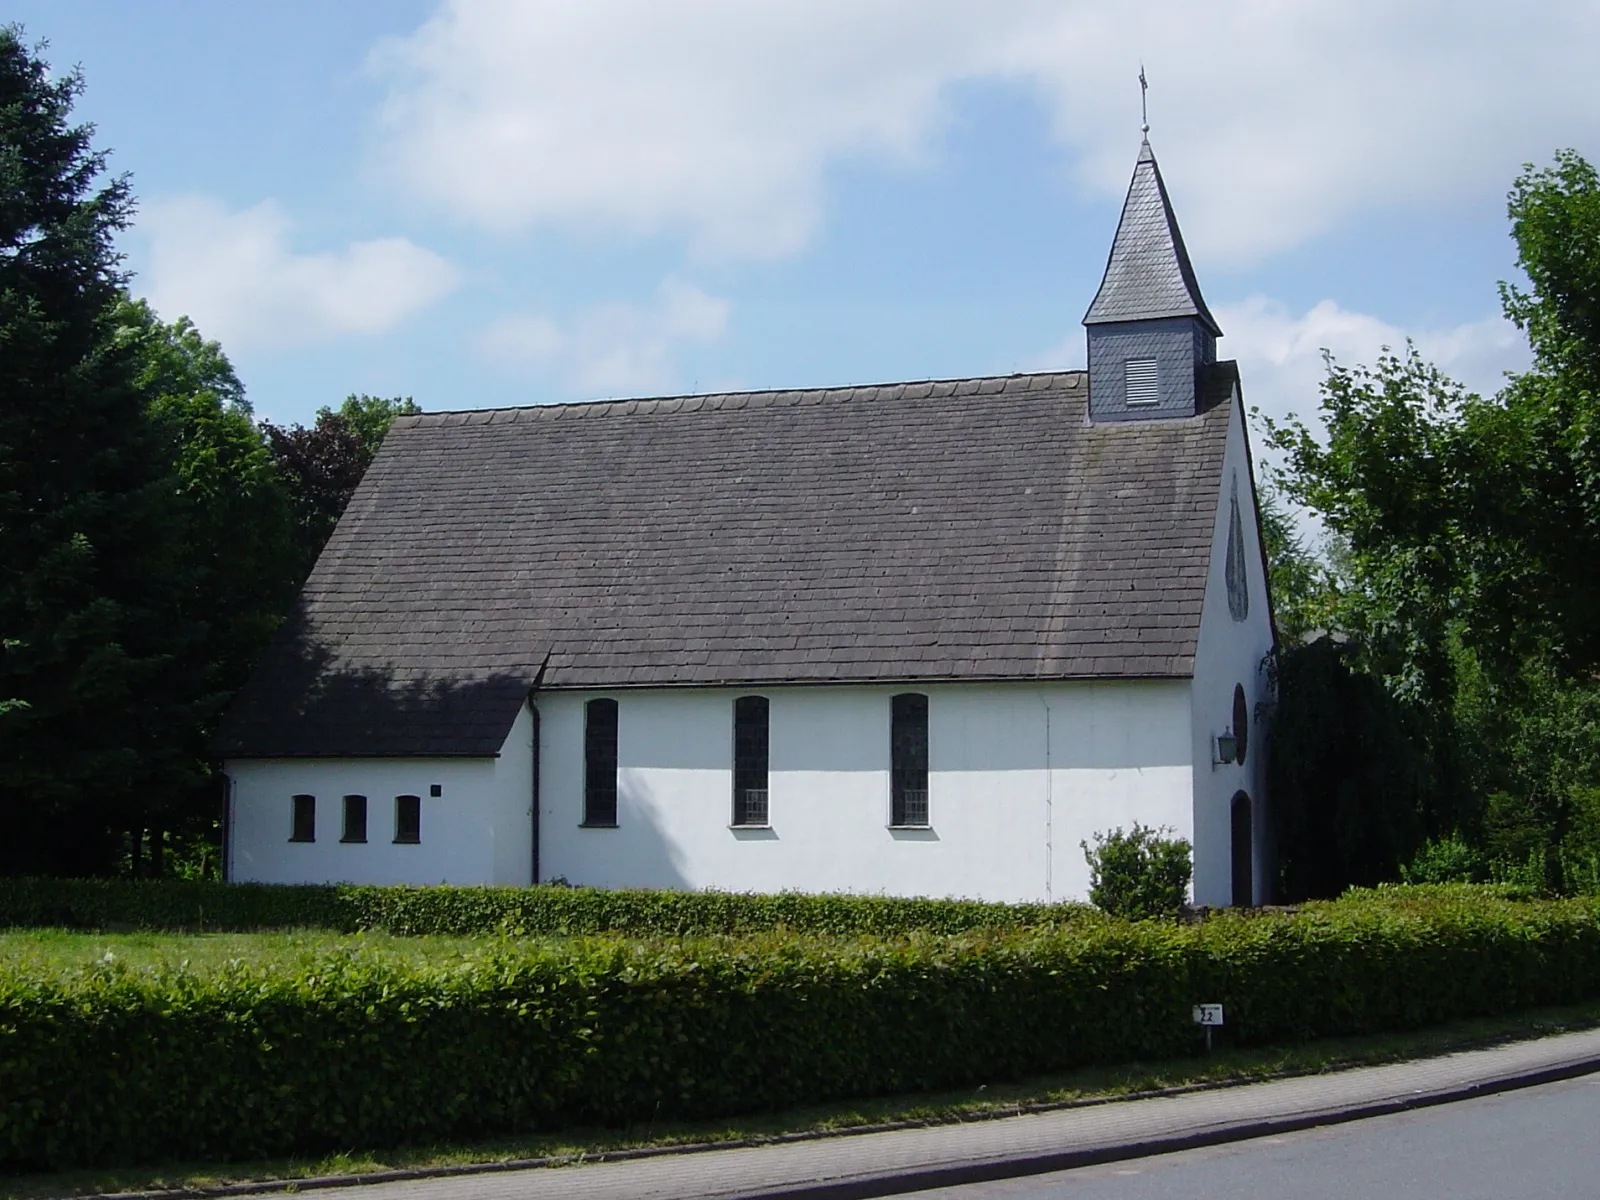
[976, 529]
[1148, 274]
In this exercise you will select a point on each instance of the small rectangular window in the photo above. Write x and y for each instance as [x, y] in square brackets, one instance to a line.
[1141, 381]
[408, 819]
[303, 828]
[908, 749]
[750, 760]
[355, 819]
[600, 763]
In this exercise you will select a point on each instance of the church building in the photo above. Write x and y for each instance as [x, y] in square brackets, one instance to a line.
[915, 639]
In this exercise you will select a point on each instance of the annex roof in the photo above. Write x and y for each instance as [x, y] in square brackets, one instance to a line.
[1148, 274]
[976, 529]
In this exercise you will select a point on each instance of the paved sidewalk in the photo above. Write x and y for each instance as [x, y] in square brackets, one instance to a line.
[881, 1164]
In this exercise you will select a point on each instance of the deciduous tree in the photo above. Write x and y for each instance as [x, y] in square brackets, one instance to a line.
[322, 464]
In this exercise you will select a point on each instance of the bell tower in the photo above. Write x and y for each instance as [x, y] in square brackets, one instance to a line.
[1150, 333]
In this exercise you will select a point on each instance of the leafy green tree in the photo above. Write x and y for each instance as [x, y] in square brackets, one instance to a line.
[1387, 482]
[371, 416]
[1480, 512]
[1546, 427]
[323, 464]
[90, 545]
[1470, 584]
[237, 572]
[240, 565]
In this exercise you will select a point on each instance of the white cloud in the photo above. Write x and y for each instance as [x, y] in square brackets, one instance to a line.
[1280, 354]
[236, 276]
[718, 119]
[610, 349]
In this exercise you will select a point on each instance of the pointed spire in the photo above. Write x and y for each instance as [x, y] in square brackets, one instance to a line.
[1148, 275]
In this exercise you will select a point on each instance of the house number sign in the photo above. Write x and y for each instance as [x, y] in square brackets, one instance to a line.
[1208, 1014]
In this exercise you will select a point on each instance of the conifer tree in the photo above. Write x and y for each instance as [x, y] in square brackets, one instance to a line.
[92, 634]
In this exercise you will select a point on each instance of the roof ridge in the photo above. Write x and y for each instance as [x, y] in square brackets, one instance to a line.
[942, 387]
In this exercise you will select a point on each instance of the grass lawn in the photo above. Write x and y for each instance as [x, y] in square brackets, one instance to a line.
[1227, 1065]
[59, 950]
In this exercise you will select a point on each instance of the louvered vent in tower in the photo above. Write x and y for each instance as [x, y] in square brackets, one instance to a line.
[1141, 381]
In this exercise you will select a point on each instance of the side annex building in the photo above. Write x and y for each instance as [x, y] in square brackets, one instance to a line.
[917, 639]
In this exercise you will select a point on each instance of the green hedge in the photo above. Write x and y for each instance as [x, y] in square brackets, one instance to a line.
[245, 907]
[111, 1065]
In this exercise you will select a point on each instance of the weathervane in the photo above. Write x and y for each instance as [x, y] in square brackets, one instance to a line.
[1144, 102]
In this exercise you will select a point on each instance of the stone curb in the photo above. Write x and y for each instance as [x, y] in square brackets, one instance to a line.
[862, 1187]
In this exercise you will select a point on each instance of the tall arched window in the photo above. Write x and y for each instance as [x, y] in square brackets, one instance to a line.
[355, 819]
[908, 755]
[408, 820]
[1241, 723]
[600, 763]
[303, 824]
[750, 760]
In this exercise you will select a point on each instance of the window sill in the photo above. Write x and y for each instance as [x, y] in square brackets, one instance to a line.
[416, 841]
[752, 825]
[912, 828]
[301, 841]
[598, 825]
[352, 841]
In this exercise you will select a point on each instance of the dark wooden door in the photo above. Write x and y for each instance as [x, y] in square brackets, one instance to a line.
[1243, 855]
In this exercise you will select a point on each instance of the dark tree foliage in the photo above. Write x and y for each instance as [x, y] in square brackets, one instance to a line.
[323, 464]
[1348, 774]
[90, 542]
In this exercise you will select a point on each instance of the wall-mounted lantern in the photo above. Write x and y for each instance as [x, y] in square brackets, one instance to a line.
[1225, 749]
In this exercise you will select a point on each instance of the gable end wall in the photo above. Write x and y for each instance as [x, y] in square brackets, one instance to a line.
[1231, 652]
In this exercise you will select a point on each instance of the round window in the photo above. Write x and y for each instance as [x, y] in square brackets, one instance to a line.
[1241, 722]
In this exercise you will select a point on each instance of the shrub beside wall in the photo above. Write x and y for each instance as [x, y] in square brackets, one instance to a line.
[467, 911]
[112, 1065]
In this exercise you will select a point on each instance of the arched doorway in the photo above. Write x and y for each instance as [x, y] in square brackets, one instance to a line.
[1243, 853]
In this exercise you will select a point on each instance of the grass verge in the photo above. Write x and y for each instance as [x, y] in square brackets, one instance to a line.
[67, 951]
[1227, 1066]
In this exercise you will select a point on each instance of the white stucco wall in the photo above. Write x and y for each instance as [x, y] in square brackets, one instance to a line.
[477, 832]
[1019, 774]
[1231, 652]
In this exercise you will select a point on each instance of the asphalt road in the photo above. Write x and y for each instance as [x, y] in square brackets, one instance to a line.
[1539, 1143]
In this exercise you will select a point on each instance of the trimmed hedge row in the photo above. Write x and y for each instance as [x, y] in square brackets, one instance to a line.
[527, 911]
[113, 1066]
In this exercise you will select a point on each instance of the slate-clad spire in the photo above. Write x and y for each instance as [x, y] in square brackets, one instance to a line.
[1151, 336]
[1148, 275]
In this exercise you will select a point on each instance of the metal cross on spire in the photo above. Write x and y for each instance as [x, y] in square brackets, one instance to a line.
[1144, 106]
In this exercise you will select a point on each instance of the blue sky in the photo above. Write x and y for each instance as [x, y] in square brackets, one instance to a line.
[490, 202]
